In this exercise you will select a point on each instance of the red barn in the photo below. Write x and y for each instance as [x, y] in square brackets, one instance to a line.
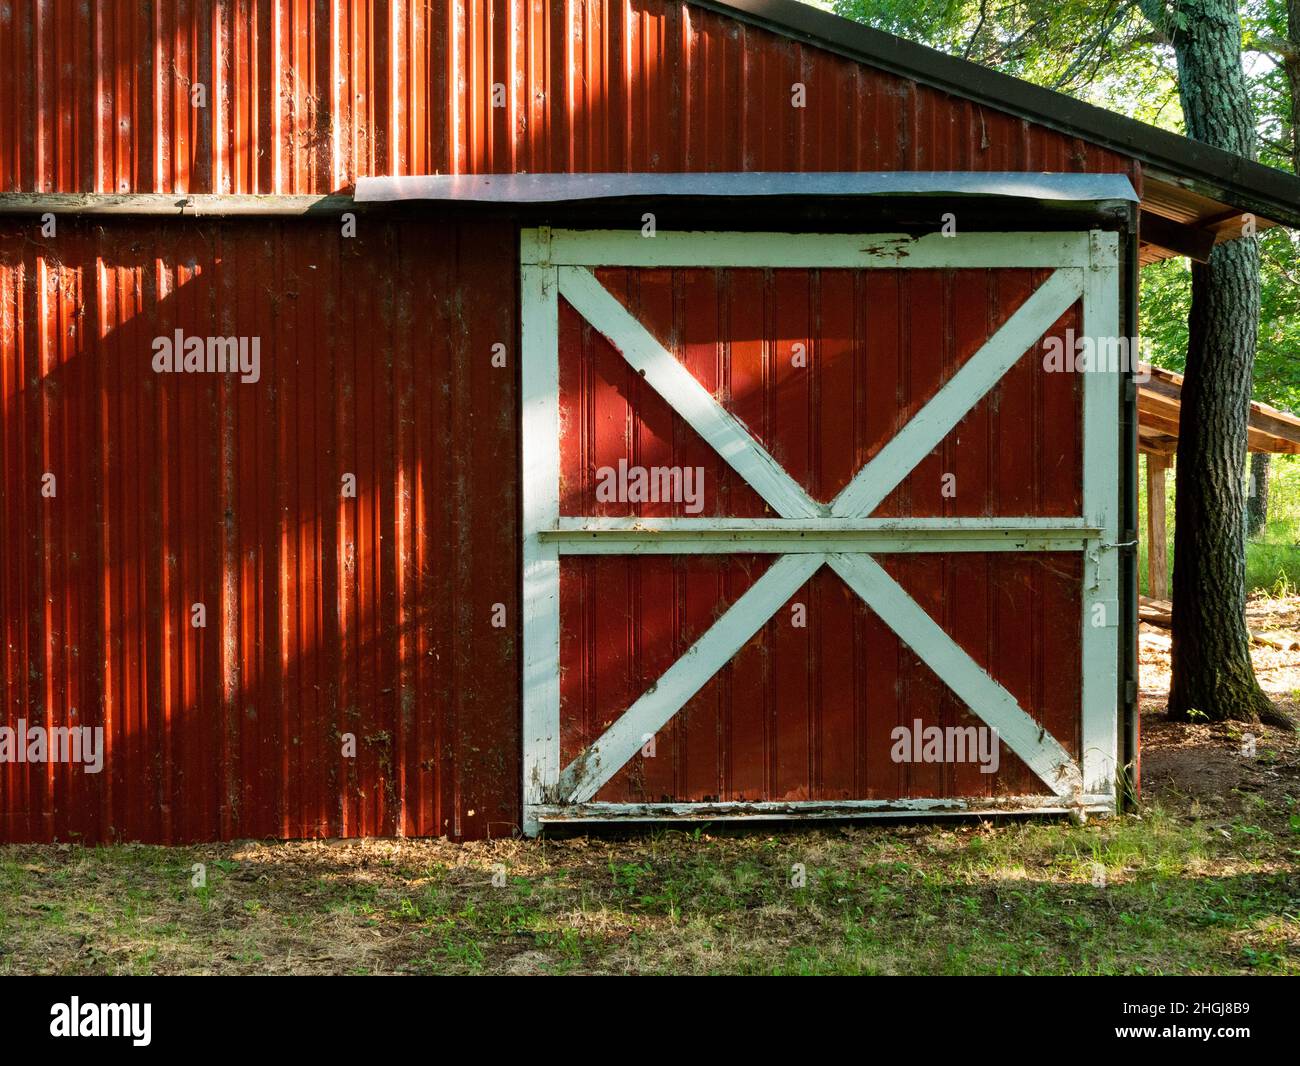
[446, 418]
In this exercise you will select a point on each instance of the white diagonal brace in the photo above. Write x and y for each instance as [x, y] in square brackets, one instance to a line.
[972, 685]
[960, 393]
[666, 375]
[583, 778]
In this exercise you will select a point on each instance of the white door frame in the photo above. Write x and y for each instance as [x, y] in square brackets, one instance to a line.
[808, 534]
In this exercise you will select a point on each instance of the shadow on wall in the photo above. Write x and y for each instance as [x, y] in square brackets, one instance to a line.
[325, 614]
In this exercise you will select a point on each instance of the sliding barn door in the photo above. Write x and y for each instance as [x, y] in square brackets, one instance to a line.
[818, 525]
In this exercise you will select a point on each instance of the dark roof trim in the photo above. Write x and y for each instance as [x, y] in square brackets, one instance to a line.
[1249, 186]
[568, 188]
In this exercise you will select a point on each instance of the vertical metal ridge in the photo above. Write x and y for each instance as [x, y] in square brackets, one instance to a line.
[304, 98]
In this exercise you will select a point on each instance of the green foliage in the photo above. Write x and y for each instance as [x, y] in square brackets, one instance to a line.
[1098, 52]
[1109, 55]
[1273, 557]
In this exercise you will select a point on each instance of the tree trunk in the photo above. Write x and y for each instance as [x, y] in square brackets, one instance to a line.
[1257, 501]
[1212, 671]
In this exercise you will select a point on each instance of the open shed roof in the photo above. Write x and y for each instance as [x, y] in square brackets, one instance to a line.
[1159, 404]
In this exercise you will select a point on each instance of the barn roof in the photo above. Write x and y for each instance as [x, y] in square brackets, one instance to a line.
[1159, 404]
[1193, 194]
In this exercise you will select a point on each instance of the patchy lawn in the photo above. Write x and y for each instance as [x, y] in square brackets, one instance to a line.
[1205, 879]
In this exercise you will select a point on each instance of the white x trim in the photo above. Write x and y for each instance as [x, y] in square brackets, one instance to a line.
[838, 534]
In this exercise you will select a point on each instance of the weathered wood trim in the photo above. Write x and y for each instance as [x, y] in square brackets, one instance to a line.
[1195, 242]
[1009, 525]
[596, 248]
[1157, 536]
[985, 806]
[666, 536]
[176, 204]
[540, 406]
[1101, 621]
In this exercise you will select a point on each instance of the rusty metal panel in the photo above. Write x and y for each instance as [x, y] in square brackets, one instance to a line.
[326, 614]
[305, 98]
[823, 367]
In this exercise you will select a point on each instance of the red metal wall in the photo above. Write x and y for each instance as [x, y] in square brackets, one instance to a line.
[305, 97]
[806, 713]
[325, 615]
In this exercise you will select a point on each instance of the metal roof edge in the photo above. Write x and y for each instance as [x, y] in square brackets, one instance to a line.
[1244, 183]
[562, 188]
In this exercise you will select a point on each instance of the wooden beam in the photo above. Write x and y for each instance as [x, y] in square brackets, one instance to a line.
[1157, 548]
[1269, 430]
[176, 204]
[1191, 241]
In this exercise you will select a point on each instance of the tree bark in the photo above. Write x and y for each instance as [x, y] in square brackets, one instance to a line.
[1212, 671]
[1257, 501]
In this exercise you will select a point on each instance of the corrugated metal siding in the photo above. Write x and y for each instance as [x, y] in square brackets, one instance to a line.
[805, 713]
[369, 617]
[305, 97]
[325, 615]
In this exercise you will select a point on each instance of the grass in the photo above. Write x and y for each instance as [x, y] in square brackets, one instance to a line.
[1168, 891]
[1273, 556]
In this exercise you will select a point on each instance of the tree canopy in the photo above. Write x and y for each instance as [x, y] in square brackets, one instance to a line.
[1110, 55]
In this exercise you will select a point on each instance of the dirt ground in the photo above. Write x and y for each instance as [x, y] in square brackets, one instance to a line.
[1204, 878]
[1202, 765]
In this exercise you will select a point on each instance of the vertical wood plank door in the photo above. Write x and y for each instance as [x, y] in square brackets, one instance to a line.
[799, 508]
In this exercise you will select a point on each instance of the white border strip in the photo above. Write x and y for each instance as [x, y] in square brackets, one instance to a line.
[1101, 599]
[540, 404]
[597, 248]
[776, 810]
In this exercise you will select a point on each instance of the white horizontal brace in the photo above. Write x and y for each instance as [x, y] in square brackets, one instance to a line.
[919, 527]
[769, 810]
[668, 536]
[627, 248]
[619, 542]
